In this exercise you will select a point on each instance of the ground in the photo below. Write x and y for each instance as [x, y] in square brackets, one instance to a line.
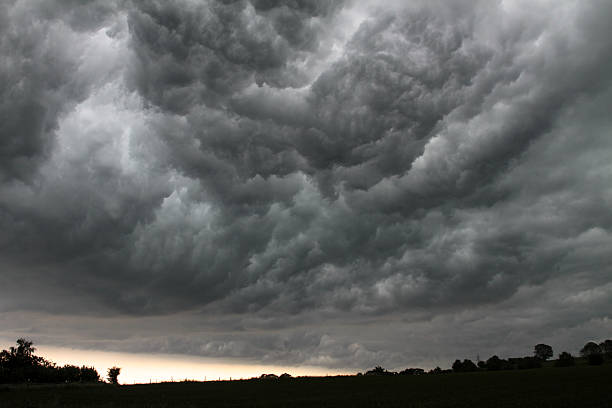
[580, 386]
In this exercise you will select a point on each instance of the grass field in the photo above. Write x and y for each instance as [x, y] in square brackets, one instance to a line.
[580, 386]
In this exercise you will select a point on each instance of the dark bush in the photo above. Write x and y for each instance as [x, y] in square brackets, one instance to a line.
[412, 371]
[464, 366]
[595, 359]
[593, 353]
[89, 375]
[378, 370]
[495, 363]
[527, 363]
[565, 360]
[590, 348]
[606, 348]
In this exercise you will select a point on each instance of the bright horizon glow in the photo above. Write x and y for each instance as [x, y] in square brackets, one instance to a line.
[144, 368]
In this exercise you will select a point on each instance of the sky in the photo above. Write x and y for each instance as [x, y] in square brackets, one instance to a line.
[307, 185]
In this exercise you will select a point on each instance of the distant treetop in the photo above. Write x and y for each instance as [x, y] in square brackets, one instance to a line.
[543, 351]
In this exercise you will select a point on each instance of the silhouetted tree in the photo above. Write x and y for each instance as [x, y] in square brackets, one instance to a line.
[565, 360]
[412, 371]
[70, 373]
[113, 374]
[543, 351]
[495, 363]
[24, 349]
[20, 364]
[464, 366]
[606, 348]
[468, 365]
[268, 377]
[22, 355]
[89, 375]
[593, 353]
[590, 348]
[378, 370]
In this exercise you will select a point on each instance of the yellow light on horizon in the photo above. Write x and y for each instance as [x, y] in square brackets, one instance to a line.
[145, 368]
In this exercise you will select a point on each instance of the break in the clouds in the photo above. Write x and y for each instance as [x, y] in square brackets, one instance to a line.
[308, 182]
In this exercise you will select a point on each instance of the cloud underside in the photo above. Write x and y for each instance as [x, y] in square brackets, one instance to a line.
[296, 179]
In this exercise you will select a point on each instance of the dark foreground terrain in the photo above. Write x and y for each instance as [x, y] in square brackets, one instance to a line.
[580, 386]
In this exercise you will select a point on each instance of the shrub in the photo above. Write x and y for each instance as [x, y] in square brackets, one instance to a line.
[565, 360]
[528, 362]
[590, 348]
[113, 374]
[595, 359]
[412, 371]
[464, 366]
[606, 348]
[495, 363]
[378, 370]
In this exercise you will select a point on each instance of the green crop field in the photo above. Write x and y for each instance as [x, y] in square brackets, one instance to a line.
[580, 386]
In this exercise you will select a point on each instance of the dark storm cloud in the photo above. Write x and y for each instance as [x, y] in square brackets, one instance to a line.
[39, 77]
[487, 99]
[200, 52]
[260, 162]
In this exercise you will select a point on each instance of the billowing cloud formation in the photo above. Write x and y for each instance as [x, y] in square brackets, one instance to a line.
[313, 182]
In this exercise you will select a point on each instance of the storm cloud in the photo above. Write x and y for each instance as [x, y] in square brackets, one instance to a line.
[317, 182]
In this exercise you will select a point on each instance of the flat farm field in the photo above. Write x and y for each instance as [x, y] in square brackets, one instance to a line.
[580, 386]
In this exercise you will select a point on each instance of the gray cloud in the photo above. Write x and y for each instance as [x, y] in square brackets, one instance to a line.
[190, 53]
[40, 76]
[308, 186]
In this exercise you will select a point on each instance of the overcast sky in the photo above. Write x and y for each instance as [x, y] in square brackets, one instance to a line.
[306, 182]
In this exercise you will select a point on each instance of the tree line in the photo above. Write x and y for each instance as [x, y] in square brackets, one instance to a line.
[592, 353]
[19, 364]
